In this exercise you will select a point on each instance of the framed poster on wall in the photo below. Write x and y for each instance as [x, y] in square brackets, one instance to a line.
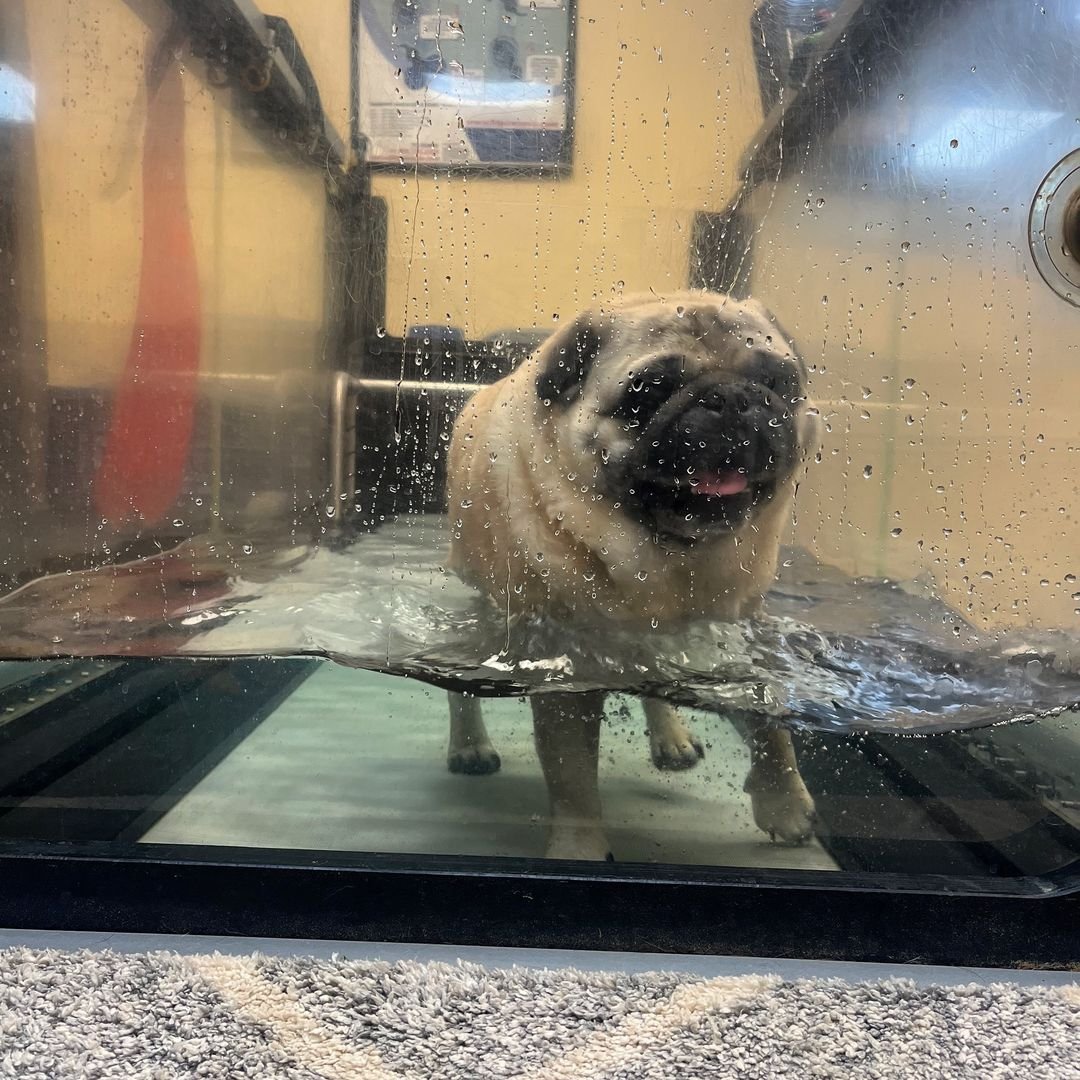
[465, 83]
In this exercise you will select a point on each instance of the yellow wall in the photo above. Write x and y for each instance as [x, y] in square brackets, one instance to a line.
[666, 103]
[259, 225]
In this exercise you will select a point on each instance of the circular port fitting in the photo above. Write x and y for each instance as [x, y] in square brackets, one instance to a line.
[1070, 230]
[1054, 228]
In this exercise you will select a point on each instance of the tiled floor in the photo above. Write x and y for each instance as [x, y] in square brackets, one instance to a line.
[356, 761]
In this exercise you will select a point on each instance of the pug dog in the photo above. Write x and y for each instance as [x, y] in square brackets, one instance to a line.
[639, 468]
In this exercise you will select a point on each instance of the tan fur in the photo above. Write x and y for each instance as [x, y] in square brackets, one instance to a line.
[533, 529]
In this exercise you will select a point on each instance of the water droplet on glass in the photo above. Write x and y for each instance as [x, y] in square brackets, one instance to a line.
[895, 532]
[868, 471]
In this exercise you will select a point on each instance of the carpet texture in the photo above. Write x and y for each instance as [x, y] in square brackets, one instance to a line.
[163, 1015]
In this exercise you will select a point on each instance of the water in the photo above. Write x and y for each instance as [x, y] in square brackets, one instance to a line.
[829, 653]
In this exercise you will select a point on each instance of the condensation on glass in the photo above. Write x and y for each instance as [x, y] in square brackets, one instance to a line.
[256, 259]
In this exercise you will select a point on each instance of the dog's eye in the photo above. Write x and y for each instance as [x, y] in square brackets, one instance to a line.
[646, 389]
[785, 386]
[778, 376]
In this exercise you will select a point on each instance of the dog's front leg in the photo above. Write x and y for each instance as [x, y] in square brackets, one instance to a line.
[672, 744]
[567, 728]
[782, 806]
[470, 749]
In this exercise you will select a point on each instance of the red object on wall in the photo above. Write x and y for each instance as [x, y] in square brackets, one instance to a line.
[149, 437]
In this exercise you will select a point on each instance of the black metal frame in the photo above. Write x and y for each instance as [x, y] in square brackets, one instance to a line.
[463, 901]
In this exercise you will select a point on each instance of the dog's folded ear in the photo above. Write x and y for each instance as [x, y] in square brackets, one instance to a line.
[567, 357]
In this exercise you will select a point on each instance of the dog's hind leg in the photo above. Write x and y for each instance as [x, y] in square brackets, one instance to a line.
[470, 748]
[567, 729]
[672, 744]
[782, 806]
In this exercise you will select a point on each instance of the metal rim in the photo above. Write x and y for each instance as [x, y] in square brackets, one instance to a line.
[1054, 228]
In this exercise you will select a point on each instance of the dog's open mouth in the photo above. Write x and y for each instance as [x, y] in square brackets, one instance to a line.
[703, 501]
[705, 484]
[719, 484]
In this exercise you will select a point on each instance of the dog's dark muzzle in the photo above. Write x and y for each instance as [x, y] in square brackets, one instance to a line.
[713, 452]
[721, 426]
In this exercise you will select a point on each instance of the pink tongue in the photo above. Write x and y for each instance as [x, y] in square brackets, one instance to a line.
[722, 483]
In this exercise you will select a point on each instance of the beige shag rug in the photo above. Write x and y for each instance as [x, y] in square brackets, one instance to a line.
[96, 1014]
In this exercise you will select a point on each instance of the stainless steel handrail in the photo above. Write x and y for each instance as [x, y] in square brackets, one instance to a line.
[345, 391]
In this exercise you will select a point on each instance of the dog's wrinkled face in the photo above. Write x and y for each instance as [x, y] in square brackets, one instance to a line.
[691, 413]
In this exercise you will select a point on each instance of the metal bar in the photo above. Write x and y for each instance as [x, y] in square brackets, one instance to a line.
[417, 385]
[345, 390]
[341, 400]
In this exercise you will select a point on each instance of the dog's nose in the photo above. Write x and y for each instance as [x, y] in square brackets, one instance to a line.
[741, 423]
[733, 402]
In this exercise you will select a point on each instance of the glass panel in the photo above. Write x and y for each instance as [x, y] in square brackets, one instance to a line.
[619, 359]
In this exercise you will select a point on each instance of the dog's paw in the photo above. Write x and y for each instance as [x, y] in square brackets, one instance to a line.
[583, 843]
[479, 759]
[676, 750]
[786, 813]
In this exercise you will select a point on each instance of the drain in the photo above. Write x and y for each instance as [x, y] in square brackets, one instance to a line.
[1054, 228]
